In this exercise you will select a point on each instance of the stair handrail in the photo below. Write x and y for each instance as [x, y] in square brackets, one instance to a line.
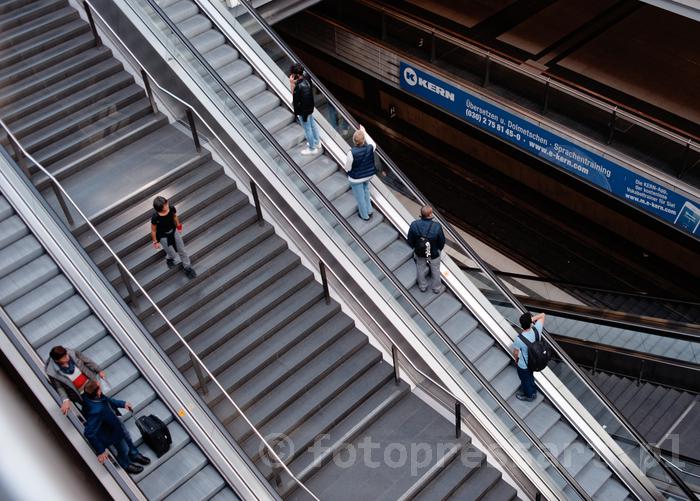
[423, 201]
[195, 358]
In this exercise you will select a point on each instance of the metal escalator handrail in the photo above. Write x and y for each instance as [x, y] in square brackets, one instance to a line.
[376, 260]
[611, 318]
[677, 135]
[574, 285]
[454, 234]
[193, 354]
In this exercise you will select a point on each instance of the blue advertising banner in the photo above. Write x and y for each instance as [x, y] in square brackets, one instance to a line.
[614, 178]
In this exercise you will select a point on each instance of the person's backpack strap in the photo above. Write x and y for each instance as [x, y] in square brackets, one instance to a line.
[537, 333]
[525, 340]
[430, 227]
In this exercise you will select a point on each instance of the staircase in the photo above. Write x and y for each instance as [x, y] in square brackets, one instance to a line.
[296, 364]
[48, 311]
[476, 344]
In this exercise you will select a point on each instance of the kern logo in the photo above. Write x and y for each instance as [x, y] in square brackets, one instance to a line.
[410, 76]
[412, 79]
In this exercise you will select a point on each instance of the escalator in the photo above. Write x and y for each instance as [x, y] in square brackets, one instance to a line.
[46, 310]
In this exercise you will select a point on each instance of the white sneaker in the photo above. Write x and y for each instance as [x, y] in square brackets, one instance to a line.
[307, 151]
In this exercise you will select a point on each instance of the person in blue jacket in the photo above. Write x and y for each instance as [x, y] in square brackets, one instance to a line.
[104, 429]
[360, 167]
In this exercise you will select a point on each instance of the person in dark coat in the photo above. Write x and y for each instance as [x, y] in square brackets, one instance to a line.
[303, 102]
[427, 240]
[104, 429]
[359, 164]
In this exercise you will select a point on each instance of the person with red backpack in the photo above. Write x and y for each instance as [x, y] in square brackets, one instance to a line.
[531, 354]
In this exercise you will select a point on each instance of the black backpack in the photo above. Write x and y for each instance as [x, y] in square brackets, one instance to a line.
[423, 245]
[538, 352]
[155, 434]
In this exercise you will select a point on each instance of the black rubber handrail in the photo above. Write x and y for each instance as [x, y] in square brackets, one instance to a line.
[584, 287]
[377, 261]
[466, 247]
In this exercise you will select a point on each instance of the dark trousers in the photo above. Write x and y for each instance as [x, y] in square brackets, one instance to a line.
[122, 448]
[527, 382]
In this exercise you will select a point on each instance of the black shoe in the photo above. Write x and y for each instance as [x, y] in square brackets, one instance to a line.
[140, 459]
[190, 273]
[170, 263]
[133, 469]
[525, 398]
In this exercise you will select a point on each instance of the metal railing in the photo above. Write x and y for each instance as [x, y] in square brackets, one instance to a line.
[679, 162]
[467, 249]
[376, 261]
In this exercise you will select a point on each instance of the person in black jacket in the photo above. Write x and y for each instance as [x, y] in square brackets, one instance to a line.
[303, 101]
[427, 240]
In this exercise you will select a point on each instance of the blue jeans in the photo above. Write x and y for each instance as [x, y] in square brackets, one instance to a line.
[364, 204]
[527, 382]
[310, 131]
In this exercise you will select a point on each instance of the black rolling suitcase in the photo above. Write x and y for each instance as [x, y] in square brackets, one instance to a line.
[155, 434]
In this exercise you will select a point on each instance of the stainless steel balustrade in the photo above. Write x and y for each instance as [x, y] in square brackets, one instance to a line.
[413, 192]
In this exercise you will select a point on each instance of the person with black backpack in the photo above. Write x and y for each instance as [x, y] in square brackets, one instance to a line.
[531, 354]
[427, 239]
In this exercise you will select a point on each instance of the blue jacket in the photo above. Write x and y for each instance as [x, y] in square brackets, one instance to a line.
[434, 234]
[362, 162]
[102, 426]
